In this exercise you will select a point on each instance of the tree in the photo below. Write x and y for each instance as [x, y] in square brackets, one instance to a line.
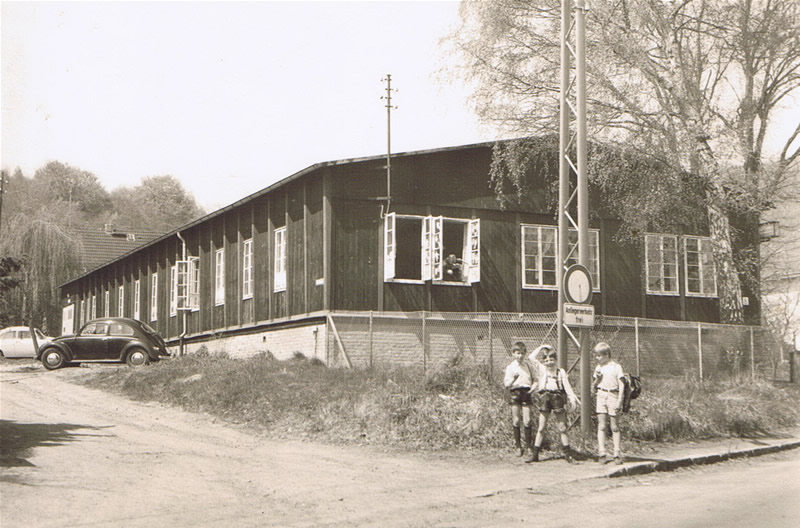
[58, 182]
[690, 88]
[9, 279]
[49, 255]
[158, 203]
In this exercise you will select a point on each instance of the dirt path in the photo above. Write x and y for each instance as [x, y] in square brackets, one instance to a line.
[73, 456]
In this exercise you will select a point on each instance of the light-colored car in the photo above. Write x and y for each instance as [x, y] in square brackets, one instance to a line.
[16, 342]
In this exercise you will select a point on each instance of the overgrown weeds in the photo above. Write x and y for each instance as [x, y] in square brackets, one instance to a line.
[458, 406]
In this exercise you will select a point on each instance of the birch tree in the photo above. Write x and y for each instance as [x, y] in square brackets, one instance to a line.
[689, 88]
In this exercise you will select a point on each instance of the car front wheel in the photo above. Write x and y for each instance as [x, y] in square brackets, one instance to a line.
[53, 358]
[137, 357]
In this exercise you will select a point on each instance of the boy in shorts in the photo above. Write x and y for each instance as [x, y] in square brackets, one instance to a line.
[609, 382]
[555, 392]
[518, 379]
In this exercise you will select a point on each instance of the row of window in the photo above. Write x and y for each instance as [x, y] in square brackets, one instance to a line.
[184, 284]
[415, 249]
[662, 260]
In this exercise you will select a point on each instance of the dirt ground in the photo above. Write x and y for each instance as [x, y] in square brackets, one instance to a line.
[74, 456]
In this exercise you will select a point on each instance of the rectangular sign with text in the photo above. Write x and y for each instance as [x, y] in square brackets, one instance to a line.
[579, 315]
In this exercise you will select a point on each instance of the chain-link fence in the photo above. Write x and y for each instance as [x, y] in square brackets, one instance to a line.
[643, 346]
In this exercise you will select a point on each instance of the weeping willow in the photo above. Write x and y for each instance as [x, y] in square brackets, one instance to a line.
[50, 255]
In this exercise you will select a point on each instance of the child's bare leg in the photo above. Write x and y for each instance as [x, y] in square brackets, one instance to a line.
[515, 416]
[561, 425]
[540, 430]
[616, 436]
[526, 421]
[601, 433]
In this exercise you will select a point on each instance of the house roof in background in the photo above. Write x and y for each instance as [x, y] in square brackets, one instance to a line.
[103, 244]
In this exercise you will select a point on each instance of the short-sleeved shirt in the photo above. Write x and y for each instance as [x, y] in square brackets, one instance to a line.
[524, 378]
[609, 375]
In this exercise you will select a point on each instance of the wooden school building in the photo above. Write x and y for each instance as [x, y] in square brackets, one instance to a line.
[264, 272]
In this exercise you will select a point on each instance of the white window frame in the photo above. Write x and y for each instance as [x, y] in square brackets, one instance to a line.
[154, 297]
[432, 256]
[137, 293]
[538, 265]
[121, 300]
[93, 311]
[247, 269]
[279, 260]
[194, 284]
[82, 315]
[187, 286]
[705, 258]
[219, 277]
[173, 290]
[106, 303]
[661, 264]
[594, 256]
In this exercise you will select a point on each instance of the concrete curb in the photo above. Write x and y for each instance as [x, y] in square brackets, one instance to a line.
[641, 468]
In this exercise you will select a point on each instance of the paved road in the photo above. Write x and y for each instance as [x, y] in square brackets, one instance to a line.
[73, 456]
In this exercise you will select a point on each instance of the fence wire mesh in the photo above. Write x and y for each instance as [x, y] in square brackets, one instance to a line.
[646, 347]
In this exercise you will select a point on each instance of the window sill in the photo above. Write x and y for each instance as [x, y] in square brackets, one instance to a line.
[450, 283]
[664, 294]
[404, 281]
[702, 296]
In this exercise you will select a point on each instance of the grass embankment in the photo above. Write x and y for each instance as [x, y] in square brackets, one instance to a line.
[454, 407]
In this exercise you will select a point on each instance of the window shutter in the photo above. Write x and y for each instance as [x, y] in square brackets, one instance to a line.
[436, 248]
[474, 251]
[425, 253]
[389, 246]
[194, 283]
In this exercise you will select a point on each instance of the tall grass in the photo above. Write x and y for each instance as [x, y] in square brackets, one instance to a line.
[455, 407]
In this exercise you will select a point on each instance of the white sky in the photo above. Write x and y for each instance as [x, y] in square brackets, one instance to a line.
[227, 97]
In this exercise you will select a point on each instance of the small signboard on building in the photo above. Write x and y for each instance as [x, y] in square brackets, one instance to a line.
[579, 315]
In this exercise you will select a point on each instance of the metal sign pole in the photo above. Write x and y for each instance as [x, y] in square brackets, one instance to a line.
[569, 143]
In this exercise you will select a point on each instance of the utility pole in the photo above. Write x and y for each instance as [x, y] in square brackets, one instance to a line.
[389, 108]
[2, 192]
[572, 145]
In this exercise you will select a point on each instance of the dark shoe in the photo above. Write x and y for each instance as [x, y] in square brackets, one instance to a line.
[568, 456]
[520, 451]
[603, 459]
[534, 456]
[617, 460]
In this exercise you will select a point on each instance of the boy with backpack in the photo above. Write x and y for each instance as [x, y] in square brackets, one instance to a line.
[609, 382]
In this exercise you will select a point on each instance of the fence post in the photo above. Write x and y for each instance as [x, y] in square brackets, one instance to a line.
[700, 347]
[491, 350]
[636, 340]
[424, 345]
[752, 356]
[370, 339]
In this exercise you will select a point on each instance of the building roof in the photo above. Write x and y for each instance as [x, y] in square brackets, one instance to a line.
[100, 245]
[280, 183]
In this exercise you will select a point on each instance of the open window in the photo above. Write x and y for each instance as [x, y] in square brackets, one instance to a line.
[187, 285]
[431, 248]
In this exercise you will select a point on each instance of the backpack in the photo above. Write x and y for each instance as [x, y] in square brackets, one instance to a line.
[633, 388]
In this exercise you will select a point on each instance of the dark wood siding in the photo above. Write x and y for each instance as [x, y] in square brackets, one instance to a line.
[354, 255]
[262, 263]
[314, 245]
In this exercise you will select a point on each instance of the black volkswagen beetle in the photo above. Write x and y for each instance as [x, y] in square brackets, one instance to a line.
[127, 340]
